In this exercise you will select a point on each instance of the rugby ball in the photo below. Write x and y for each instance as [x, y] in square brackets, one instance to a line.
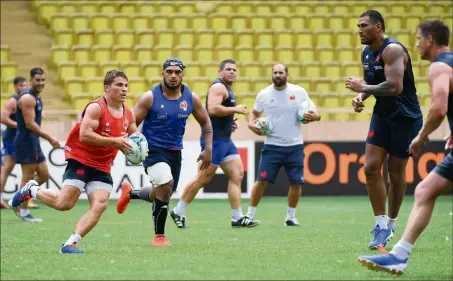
[263, 124]
[139, 149]
[304, 107]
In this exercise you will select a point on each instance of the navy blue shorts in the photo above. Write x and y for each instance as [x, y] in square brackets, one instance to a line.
[222, 151]
[394, 134]
[273, 157]
[445, 168]
[8, 149]
[172, 157]
[29, 152]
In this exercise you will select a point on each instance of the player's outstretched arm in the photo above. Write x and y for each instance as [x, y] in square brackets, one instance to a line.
[393, 56]
[8, 109]
[217, 93]
[28, 103]
[89, 125]
[202, 117]
[143, 106]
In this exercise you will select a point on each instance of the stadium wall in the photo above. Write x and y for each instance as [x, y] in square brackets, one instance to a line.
[331, 168]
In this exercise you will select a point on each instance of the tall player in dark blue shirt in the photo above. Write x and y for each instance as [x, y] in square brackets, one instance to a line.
[164, 111]
[396, 120]
[8, 118]
[432, 42]
[27, 144]
[221, 106]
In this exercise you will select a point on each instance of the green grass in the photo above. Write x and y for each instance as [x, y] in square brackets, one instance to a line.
[334, 232]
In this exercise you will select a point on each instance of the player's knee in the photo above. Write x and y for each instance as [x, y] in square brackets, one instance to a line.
[99, 207]
[164, 191]
[372, 169]
[64, 205]
[42, 177]
[203, 179]
[422, 193]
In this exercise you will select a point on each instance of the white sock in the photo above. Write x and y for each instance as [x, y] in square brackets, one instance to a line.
[1, 196]
[381, 221]
[236, 214]
[402, 250]
[290, 213]
[180, 208]
[251, 212]
[74, 238]
[24, 212]
[34, 191]
[391, 223]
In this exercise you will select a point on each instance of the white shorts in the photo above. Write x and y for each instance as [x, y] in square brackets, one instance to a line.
[159, 174]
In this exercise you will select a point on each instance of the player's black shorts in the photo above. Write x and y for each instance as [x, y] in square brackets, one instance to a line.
[445, 168]
[86, 178]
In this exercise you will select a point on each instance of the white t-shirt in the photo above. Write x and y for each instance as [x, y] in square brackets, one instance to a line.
[280, 109]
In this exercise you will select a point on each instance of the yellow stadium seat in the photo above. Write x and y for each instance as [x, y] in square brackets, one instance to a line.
[64, 37]
[332, 69]
[132, 69]
[125, 38]
[73, 86]
[384, 7]
[264, 54]
[85, 37]
[7, 88]
[204, 53]
[295, 69]
[185, 53]
[338, 85]
[244, 38]
[243, 7]
[186, 8]
[422, 85]
[344, 38]
[8, 69]
[285, 54]
[47, 9]
[186, 37]
[224, 37]
[59, 21]
[159, 22]
[67, 69]
[335, 22]
[199, 21]
[146, 37]
[264, 8]
[81, 100]
[148, 8]
[94, 85]
[264, 38]
[88, 70]
[304, 82]
[106, 66]
[358, 8]
[223, 52]
[344, 54]
[199, 84]
[394, 22]
[104, 37]
[322, 85]
[417, 8]
[405, 37]
[140, 22]
[330, 100]
[167, 7]
[284, 37]
[151, 68]
[340, 8]
[81, 53]
[424, 100]
[260, 21]
[143, 52]
[354, 69]
[101, 53]
[60, 53]
[193, 69]
[250, 70]
[107, 7]
[324, 54]
[299, 22]
[137, 85]
[68, 7]
[411, 21]
[301, 8]
[244, 53]
[321, 8]
[304, 54]
[181, 21]
[278, 21]
[351, 21]
[88, 7]
[417, 69]
[312, 69]
[242, 86]
[121, 22]
[219, 21]
[398, 8]
[260, 83]
[101, 22]
[165, 37]
[324, 38]
[162, 53]
[303, 38]
[128, 8]
[122, 54]
[222, 8]
[80, 22]
[4, 54]
[316, 22]
[210, 69]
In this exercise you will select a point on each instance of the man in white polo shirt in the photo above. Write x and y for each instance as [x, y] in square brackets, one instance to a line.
[283, 145]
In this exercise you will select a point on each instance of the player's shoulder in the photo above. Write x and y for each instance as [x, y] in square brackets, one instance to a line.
[438, 68]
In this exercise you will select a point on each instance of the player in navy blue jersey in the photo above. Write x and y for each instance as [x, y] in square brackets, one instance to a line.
[432, 42]
[396, 120]
[164, 111]
[8, 118]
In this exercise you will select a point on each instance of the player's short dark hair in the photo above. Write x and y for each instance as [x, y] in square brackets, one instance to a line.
[437, 29]
[284, 65]
[111, 75]
[375, 17]
[224, 62]
[19, 80]
[36, 71]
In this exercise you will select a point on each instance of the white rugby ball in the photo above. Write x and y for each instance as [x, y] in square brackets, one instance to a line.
[139, 149]
[263, 124]
[304, 107]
